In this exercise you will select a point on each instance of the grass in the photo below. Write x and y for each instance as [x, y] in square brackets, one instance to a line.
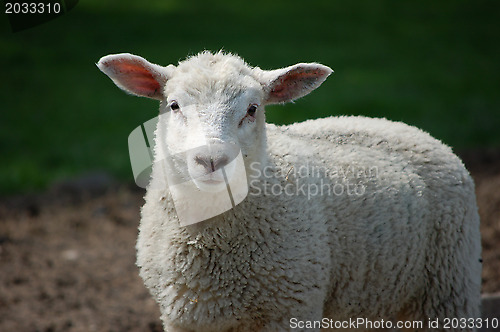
[433, 64]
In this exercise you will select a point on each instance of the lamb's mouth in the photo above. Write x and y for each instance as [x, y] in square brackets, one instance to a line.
[211, 182]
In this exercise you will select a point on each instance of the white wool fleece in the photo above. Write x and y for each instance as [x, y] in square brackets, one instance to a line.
[346, 217]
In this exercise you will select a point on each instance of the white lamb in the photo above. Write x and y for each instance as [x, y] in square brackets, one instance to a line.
[345, 218]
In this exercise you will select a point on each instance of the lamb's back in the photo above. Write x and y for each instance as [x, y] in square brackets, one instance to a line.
[395, 191]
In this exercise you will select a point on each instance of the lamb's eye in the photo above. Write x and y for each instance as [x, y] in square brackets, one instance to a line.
[252, 109]
[174, 106]
[250, 116]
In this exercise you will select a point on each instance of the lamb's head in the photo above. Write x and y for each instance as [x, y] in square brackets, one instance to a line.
[212, 106]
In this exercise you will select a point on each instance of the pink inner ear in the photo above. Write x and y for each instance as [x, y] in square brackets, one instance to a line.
[292, 85]
[134, 77]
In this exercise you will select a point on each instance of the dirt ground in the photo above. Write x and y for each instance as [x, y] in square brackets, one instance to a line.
[67, 256]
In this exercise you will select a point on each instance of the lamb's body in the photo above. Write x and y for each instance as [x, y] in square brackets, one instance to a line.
[404, 244]
[346, 217]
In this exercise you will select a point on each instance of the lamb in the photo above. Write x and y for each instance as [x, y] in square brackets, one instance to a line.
[345, 218]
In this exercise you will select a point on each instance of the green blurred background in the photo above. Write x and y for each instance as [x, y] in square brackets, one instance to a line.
[432, 64]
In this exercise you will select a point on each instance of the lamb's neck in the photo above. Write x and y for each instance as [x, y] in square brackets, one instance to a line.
[242, 223]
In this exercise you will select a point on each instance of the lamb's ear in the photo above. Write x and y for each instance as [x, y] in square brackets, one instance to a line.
[287, 84]
[136, 75]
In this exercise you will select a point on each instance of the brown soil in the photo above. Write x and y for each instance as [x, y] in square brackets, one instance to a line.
[67, 256]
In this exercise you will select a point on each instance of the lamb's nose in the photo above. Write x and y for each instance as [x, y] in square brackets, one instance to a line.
[211, 163]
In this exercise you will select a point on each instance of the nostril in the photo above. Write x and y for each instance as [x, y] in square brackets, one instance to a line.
[221, 162]
[205, 162]
[211, 164]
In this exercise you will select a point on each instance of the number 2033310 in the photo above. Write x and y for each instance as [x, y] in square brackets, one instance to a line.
[463, 323]
[32, 8]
